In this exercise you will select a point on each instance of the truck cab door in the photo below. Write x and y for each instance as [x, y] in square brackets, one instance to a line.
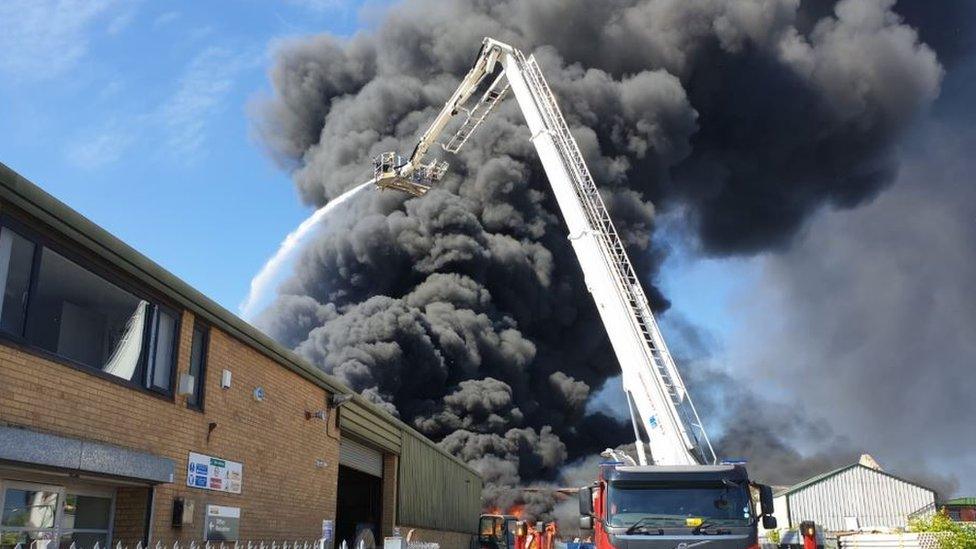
[492, 533]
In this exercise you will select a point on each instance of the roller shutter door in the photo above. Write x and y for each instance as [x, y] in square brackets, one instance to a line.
[360, 457]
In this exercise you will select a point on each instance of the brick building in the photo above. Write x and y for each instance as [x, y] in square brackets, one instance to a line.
[133, 408]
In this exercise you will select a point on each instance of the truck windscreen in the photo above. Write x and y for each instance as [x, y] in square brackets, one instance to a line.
[669, 506]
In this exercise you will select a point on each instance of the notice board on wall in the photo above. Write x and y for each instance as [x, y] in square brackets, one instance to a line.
[212, 473]
[223, 523]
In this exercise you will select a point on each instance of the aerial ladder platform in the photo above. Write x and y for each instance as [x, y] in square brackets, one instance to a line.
[675, 492]
[663, 415]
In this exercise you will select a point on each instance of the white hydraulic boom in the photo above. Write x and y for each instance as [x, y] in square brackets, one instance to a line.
[660, 406]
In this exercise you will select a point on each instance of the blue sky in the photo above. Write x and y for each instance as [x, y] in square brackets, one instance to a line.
[135, 114]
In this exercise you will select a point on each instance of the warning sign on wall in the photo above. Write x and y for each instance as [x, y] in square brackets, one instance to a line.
[211, 473]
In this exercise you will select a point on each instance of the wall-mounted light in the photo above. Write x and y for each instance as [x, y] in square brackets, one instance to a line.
[259, 394]
[318, 414]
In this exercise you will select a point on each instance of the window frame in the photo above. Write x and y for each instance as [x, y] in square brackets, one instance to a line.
[199, 385]
[63, 491]
[43, 239]
[56, 519]
[149, 347]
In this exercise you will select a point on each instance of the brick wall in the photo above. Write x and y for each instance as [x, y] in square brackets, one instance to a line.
[284, 493]
[130, 514]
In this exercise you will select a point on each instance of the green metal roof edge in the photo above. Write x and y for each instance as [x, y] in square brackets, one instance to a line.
[31, 198]
[824, 476]
[815, 479]
[961, 501]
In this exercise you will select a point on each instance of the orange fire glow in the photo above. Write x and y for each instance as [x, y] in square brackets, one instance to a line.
[516, 510]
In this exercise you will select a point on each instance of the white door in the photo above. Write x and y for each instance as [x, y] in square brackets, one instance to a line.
[54, 515]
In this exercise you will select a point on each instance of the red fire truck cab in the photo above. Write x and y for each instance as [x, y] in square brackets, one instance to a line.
[659, 506]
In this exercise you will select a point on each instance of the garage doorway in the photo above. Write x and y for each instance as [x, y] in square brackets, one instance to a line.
[359, 501]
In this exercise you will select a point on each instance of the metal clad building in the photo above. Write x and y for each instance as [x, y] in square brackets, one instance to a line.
[435, 492]
[852, 497]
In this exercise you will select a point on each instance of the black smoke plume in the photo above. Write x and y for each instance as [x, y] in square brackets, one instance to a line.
[464, 312]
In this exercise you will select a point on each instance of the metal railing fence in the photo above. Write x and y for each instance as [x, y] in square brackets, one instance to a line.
[244, 544]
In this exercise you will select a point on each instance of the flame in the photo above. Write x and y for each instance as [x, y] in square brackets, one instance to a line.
[516, 510]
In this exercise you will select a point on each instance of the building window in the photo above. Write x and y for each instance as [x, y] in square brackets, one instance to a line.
[198, 365]
[16, 258]
[85, 520]
[55, 304]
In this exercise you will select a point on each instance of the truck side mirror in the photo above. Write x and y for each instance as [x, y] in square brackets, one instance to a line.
[586, 522]
[766, 499]
[769, 522]
[586, 501]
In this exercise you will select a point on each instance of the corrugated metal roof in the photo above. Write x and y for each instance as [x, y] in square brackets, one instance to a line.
[813, 480]
[824, 476]
[961, 501]
[858, 497]
[25, 195]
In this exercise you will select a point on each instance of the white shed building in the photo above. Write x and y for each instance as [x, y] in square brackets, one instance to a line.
[854, 497]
